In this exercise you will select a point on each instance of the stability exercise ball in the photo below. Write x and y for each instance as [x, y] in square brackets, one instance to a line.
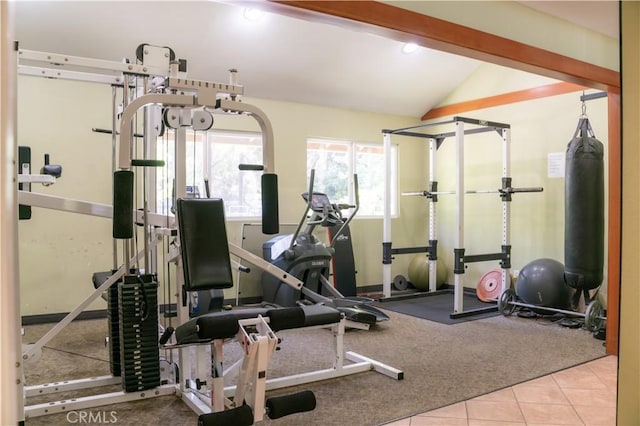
[541, 283]
[419, 273]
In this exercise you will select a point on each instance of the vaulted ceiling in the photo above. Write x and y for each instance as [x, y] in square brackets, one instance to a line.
[278, 57]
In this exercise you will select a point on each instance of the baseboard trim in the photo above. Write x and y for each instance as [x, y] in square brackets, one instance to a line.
[85, 315]
[102, 313]
[57, 317]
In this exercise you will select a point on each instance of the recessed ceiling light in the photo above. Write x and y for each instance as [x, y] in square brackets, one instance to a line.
[409, 48]
[251, 14]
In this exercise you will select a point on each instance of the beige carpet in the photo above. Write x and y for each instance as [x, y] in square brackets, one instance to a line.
[442, 364]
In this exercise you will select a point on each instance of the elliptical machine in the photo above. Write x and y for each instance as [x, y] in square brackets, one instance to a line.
[304, 256]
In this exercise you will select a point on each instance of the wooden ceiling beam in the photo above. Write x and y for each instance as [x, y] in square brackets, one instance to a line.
[408, 26]
[503, 99]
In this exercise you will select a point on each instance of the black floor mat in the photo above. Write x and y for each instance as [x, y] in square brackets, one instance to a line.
[437, 306]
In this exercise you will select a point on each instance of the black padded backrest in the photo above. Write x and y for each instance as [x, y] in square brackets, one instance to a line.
[203, 243]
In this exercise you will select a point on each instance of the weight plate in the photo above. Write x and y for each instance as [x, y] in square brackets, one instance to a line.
[490, 285]
[593, 316]
[505, 305]
[400, 282]
[526, 314]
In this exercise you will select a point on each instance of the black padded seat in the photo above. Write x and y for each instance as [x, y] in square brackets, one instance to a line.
[302, 316]
[203, 244]
[99, 278]
[215, 325]
[224, 325]
[206, 328]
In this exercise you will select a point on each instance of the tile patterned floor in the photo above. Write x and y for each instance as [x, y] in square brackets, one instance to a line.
[582, 395]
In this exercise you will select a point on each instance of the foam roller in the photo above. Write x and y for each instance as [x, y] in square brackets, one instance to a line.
[123, 204]
[270, 220]
[240, 416]
[168, 332]
[286, 318]
[281, 406]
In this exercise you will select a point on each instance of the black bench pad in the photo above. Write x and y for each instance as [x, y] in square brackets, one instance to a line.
[224, 325]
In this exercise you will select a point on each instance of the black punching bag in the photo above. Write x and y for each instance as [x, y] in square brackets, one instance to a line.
[584, 210]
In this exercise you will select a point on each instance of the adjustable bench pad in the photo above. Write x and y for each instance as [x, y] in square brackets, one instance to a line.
[215, 325]
[224, 325]
[302, 316]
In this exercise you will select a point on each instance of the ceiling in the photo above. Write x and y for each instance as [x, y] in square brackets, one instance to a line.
[278, 57]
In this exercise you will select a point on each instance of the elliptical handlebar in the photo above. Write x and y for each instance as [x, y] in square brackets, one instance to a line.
[330, 212]
[352, 215]
[312, 176]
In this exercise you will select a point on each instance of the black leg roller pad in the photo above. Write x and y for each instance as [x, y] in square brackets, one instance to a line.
[281, 406]
[240, 416]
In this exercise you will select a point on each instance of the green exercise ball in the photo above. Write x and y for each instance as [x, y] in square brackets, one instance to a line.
[419, 273]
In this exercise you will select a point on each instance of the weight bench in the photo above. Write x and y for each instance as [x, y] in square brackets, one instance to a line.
[225, 324]
[206, 265]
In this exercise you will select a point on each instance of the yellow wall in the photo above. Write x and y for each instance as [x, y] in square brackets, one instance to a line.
[629, 349]
[60, 251]
[490, 79]
[538, 127]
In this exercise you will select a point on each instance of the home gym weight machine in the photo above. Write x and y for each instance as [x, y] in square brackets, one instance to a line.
[461, 258]
[155, 64]
[187, 103]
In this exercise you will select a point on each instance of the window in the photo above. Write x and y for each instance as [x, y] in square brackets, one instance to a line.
[218, 165]
[336, 161]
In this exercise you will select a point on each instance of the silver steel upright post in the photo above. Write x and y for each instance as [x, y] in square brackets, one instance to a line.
[458, 290]
[147, 173]
[11, 372]
[506, 205]
[114, 144]
[126, 244]
[386, 223]
[433, 230]
[180, 186]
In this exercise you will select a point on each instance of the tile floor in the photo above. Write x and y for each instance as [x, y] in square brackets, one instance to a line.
[581, 395]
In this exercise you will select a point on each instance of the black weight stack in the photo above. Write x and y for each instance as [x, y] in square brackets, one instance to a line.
[114, 330]
[138, 330]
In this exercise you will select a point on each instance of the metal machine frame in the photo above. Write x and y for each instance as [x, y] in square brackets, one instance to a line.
[120, 75]
[181, 94]
[261, 353]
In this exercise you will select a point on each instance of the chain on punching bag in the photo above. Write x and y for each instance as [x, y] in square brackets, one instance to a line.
[584, 210]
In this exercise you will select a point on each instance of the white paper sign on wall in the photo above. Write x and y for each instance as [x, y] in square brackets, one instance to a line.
[555, 164]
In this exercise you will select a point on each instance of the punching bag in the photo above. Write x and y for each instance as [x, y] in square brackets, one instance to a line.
[584, 210]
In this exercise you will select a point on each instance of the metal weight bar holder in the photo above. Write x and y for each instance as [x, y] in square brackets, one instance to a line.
[463, 126]
[593, 316]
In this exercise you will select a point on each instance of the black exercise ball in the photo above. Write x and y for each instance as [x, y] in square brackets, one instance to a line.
[541, 283]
